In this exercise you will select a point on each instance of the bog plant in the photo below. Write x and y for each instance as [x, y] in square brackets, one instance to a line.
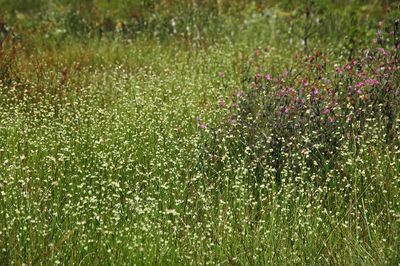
[319, 106]
[150, 138]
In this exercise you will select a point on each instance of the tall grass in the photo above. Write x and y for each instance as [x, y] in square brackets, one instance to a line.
[125, 142]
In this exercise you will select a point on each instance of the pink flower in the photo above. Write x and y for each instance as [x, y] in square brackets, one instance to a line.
[268, 77]
[258, 76]
[315, 91]
[360, 85]
[203, 125]
[372, 82]
[222, 103]
[199, 123]
[361, 75]
[383, 51]
[286, 110]
[339, 70]
[304, 82]
[349, 89]
[281, 93]
[358, 91]
[221, 74]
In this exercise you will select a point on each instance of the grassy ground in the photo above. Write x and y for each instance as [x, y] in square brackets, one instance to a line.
[122, 146]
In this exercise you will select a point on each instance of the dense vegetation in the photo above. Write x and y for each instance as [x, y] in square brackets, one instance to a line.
[199, 132]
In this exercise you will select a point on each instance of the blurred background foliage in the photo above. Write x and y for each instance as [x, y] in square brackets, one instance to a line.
[192, 20]
[58, 33]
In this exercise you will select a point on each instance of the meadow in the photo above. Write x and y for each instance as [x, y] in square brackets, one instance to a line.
[215, 132]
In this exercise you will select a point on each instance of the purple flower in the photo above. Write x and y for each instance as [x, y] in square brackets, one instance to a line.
[383, 51]
[339, 70]
[372, 82]
[285, 109]
[358, 91]
[268, 77]
[234, 105]
[360, 85]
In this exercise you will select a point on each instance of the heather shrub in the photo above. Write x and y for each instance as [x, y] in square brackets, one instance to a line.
[305, 115]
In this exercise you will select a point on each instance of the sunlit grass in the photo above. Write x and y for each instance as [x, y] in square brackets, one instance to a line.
[149, 151]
